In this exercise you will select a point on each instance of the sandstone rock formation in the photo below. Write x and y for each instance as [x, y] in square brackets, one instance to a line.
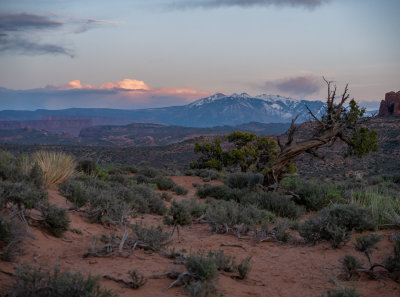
[391, 104]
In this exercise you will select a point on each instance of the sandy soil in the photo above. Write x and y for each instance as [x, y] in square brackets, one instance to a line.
[277, 269]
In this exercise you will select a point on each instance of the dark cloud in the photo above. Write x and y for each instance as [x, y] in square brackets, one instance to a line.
[24, 21]
[299, 86]
[245, 3]
[17, 34]
[22, 46]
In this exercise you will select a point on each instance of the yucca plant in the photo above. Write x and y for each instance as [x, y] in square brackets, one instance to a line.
[57, 167]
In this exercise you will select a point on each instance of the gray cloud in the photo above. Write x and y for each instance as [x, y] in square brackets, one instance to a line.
[184, 4]
[299, 86]
[24, 22]
[22, 46]
[16, 35]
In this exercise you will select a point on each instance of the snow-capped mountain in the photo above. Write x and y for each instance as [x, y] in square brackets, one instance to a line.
[216, 110]
[220, 109]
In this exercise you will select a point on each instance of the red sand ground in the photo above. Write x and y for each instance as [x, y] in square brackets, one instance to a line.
[277, 269]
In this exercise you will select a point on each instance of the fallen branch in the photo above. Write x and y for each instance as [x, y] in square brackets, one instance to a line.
[233, 245]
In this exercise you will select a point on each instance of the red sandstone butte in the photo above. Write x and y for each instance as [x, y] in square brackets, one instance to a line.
[391, 104]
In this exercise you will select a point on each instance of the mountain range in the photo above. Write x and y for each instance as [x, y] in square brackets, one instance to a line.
[216, 110]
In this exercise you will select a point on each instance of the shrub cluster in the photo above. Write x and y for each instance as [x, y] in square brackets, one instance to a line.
[313, 195]
[336, 223]
[244, 180]
[37, 282]
[230, 216]
[112, 202]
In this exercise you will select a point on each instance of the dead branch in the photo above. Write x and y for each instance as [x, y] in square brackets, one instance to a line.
[233, 245]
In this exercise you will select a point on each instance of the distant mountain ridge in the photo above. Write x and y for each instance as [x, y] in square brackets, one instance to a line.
[135, 134]
[216, 110]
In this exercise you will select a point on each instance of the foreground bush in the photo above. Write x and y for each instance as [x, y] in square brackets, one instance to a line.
[336, 223]
[57, 167]
[23, 194]
[11, 235]
[37, 282]
[232, 217]
[56, 219]
[313, 195]
[279, 205]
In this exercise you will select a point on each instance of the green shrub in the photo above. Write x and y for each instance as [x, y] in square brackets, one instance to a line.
[24, 194]
[351, 267]
[223, 262]
[36, 282]
[11, 235]
[243, 180]
[392, 263]
[365, 243]
[202, 266]
[149, 172]
[313, 195]
[119, 178]
[180, 215]
[9, 169]
[335, 223]
[56, 219]
[153, 238]
[279, 205]
[76, 192]
[229, 216]
[86, 166]
[198, 288]
[281, 227]
[179, 190]
[220, 192]
[244, 267]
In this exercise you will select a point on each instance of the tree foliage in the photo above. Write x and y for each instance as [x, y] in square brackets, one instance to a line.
[249, 152]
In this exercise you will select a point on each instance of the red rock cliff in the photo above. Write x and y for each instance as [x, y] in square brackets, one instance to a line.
[391, 104]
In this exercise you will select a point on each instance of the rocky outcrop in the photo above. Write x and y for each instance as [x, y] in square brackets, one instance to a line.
[391, 104]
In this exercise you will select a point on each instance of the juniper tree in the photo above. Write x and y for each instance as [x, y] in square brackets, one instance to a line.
[339, 122]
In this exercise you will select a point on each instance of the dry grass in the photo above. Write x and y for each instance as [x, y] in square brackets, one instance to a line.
[57, 167]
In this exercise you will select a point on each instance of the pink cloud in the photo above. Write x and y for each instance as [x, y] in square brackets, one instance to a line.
[126, 84]
[138, 90]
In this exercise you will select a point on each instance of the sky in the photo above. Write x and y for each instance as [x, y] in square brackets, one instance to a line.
[138, 54]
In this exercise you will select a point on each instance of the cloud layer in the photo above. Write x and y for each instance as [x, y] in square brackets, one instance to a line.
[300, 86]
[126, 93]
[245, 3]
[19, 32]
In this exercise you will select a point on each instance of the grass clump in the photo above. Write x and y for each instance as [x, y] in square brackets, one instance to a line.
[336, 223]
[57, 167]
[383, 206]
[37, 282]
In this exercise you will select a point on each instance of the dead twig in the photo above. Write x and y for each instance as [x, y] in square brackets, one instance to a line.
[233, 245]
